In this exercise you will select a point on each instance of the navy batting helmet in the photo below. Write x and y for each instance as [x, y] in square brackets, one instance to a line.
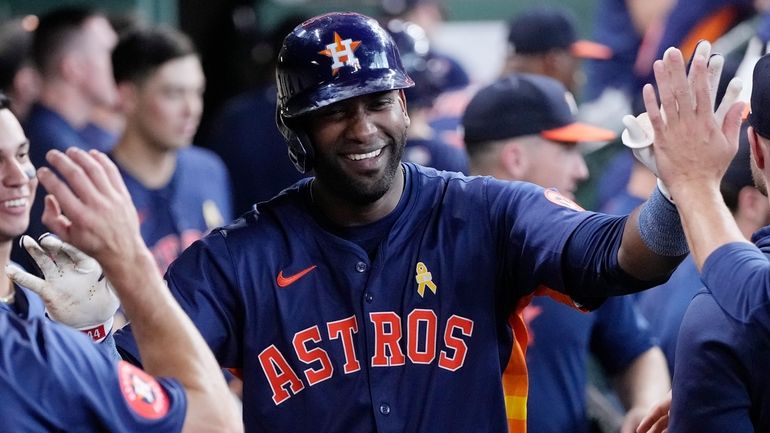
[328, 59]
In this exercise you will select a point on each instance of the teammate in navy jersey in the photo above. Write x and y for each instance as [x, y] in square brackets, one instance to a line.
[720, 375]
[53, 378]
[561, 338]
[180, 191]
[380, 295]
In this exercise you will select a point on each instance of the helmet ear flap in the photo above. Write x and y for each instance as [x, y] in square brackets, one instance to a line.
[300, 148]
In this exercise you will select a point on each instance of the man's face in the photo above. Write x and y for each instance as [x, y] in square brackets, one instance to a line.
[17, 178]
[358, 144]
[554, 164]
[94, 50]
[567, 70]
[168, 104]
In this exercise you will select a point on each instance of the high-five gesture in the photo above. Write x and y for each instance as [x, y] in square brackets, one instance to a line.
[692, 148]
[89, 207]
[93, 209]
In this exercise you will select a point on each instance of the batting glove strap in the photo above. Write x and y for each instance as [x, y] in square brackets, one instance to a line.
[100, 332]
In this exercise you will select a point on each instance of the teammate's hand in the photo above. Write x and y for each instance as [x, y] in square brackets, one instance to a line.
[633, 418]
[656, 420]
[692, 149]
[639, 134]
[74, 290]
[90, 207]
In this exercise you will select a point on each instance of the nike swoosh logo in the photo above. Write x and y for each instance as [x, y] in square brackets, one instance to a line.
[291, 279]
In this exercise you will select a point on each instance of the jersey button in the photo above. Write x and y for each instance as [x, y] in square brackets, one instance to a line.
[369, 298]
[384, 408]
[361, 267]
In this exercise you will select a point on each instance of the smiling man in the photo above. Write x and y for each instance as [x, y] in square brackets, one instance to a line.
[379, 295]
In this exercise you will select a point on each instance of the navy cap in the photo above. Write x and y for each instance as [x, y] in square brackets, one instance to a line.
[526, 104]
[759, 118]
[537, 31]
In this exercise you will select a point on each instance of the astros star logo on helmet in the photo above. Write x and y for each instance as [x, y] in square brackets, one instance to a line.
[341, 51]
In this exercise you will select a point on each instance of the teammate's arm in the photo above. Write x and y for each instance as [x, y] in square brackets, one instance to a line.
[641, 385]
[101, 220]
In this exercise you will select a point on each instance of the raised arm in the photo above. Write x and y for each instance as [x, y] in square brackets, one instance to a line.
[92, 210]
[693, 151]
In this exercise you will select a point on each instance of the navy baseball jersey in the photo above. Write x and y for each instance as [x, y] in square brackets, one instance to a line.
[721, 380]
[54, 379]
[196, 200]
[424, 336]
[557, 357]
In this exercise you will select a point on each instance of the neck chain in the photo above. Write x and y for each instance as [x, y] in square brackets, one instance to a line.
[8, 299]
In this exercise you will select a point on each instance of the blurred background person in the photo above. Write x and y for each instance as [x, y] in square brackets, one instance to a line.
[180, 191]
[544, 41]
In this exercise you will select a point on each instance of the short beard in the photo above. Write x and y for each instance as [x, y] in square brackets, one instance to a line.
[354, 191]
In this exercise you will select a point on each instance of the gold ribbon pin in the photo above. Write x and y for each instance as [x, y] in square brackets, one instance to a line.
[424, 278]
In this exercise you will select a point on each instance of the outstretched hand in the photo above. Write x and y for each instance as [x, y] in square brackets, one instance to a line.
[91, 208]
[692, 148]
[74, 290]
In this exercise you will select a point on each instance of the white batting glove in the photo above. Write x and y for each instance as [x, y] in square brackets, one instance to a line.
[74, 290]
[639, 135]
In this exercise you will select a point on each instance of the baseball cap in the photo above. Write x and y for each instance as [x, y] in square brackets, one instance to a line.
[526, 104]
[540, 30]
[759, 118]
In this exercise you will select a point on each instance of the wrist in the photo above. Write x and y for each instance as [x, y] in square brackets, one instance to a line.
[99, 332]
[695, 192]
[129, 266]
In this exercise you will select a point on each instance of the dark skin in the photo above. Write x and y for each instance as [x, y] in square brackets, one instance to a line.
[358, 145]
[376, 124]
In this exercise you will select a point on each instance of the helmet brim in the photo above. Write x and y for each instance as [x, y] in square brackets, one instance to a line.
[345, 88]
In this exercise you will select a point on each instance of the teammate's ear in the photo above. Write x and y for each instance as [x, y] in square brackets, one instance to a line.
[757, 148]
[513, 160]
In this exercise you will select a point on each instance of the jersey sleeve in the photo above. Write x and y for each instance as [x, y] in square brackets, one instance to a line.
[738, 276]
[710, 392]
[620, 334]
[57, 377]
[531, 225]
[552, 242]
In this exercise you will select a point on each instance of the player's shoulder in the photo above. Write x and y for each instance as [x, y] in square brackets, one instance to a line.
[468, 190]
[706, 320]
[288, 207]
[199, 157]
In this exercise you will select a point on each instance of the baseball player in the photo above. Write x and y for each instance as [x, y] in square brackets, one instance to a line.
[180, 191]
[380, 295]
[720, 380]
[53, 378]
